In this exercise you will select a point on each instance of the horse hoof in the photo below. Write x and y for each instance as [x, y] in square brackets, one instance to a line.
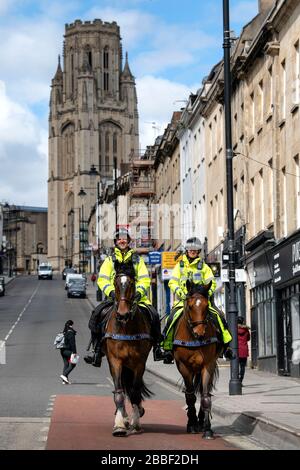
[119, 432]
[208, 435]
[192, 429]
[136, 430]
[141, 412]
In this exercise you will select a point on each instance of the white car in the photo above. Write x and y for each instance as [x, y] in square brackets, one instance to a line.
[45, 271]
[71, 276]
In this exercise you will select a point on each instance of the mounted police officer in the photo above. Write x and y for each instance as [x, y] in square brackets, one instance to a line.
[123, 254]
[193, 267]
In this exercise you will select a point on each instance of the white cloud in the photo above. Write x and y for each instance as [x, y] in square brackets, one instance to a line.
[29, 57]
[23, 154]
[134, 24]
[157, 100]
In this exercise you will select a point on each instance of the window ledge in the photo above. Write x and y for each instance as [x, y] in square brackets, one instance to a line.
[281, 123]
[294, 108]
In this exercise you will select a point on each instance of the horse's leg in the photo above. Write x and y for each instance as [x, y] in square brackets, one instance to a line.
[120, 425]
[190, 398]
[206, 402]
[136, 399]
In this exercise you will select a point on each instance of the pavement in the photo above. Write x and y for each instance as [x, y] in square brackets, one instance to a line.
[268, 409]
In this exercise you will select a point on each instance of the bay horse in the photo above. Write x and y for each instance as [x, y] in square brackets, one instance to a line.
[127, 343]
[196, 351]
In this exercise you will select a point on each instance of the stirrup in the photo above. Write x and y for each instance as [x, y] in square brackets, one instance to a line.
[169, 359]
[158, 354]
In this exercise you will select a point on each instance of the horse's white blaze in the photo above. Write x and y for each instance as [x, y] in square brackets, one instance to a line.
[123, 280]
[135, 418]
[119, 420]
[198, 302]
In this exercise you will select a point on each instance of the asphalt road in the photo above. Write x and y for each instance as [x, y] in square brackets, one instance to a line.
[31, 314]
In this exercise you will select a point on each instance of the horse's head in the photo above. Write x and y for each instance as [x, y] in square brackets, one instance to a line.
[125, 290]
[196, 308]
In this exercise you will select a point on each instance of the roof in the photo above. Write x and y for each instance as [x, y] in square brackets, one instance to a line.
[32, 209]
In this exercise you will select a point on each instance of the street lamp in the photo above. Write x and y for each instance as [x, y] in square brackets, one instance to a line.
[235, 387]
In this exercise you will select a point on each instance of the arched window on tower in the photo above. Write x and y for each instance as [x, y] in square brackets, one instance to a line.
[115, 144]
[107, 142]
[72, 74]
[106, 69]
[68, 151]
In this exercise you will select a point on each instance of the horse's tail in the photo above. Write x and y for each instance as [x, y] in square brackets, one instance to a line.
[127, 381]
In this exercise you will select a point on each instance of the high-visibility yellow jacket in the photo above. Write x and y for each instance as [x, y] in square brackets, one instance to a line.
[196, 270]
[107, 274]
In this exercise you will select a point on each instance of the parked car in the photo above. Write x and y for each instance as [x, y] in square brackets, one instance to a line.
[77, 288]
[45, 271]
[67, 271]
[2, 286]
[70, 276]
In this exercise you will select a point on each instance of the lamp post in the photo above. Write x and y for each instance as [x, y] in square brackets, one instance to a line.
[235, 387]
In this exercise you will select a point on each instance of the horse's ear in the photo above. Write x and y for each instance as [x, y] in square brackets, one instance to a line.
[188, 285]
[117, 266]
[208, 286]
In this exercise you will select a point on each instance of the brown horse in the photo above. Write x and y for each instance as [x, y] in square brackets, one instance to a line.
[127, 346]
[196, 352]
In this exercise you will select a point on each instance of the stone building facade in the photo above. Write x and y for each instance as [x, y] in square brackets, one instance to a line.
[24, 239]
[93, 120]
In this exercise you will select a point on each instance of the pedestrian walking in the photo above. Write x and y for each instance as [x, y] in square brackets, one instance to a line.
[68, 349]
[243, 338]
[93, 278]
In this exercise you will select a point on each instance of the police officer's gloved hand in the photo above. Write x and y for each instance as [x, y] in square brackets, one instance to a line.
[181, 295]
[137, 297]
[112, 295]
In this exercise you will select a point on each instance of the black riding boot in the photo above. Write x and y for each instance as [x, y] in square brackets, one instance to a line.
[158, 353]
[95, 359]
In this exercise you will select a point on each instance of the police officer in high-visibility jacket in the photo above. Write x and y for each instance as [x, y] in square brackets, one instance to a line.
[193, 267]
[123, 254]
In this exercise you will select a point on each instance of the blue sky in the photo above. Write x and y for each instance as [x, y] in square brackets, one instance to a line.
[172, 45]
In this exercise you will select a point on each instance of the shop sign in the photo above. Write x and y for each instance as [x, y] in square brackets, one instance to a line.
[166, 274]
[286, 263]
[168, 260]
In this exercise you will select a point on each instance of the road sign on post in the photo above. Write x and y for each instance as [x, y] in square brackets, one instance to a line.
[154, 257]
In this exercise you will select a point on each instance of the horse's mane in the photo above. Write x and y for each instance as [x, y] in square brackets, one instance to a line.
[126, 269]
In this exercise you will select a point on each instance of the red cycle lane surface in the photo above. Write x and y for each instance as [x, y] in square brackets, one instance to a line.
[85, 423]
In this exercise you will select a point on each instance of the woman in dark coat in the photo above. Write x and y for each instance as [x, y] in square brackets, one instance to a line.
[243, 338]
[70, 347]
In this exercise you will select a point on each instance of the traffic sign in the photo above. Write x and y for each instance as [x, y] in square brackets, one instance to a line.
[154, 257]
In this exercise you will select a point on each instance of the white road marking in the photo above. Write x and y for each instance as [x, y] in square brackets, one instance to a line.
[110, 380]
[21, 314]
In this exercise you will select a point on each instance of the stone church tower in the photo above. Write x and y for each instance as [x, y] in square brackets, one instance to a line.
[93, 119]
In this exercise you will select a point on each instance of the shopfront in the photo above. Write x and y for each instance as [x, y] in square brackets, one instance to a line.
[262, 302]
[286, 267]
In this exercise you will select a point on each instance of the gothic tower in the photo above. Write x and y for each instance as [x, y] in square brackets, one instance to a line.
[93, 120]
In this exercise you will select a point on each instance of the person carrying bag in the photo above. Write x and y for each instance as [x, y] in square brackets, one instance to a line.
[68, 352]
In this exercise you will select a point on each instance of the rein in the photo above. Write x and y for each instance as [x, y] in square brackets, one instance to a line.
[192, 324]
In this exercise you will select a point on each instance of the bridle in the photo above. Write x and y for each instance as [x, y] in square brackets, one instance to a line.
[193, 323]
[123, 318]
